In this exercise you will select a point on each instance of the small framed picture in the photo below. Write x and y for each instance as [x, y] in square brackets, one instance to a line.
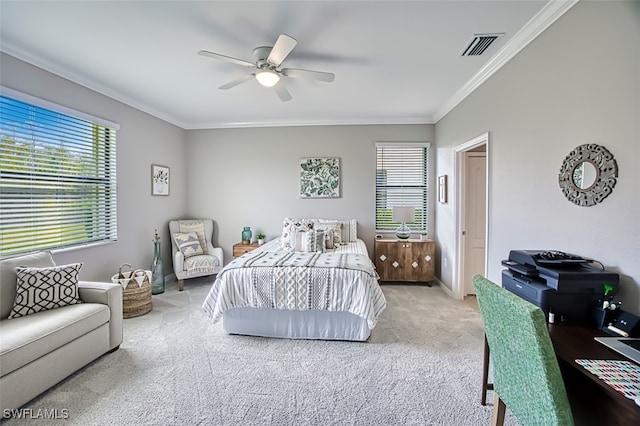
[442, 189]
[159, 180]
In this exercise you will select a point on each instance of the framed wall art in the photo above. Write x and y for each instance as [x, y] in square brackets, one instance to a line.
[442, 189]
[320, 177]
[159, 180]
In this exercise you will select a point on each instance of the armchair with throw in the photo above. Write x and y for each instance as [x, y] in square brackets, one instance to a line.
[192, 251]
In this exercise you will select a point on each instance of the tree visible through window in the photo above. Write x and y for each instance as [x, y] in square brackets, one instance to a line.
[57, 179]
[401, 180]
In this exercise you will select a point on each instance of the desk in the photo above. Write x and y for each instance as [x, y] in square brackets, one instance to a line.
[572, 342]
[591, 398]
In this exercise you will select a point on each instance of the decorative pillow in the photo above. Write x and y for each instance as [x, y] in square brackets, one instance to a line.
[328, 238]
[319, 240]
[188, 243]
[293, 225]
[307, 241]
[348, 228]
[197, 226]
[350, 231]
[40, 289]
[332, 228]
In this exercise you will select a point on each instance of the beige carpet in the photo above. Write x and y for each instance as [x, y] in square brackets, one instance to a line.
[421, 366]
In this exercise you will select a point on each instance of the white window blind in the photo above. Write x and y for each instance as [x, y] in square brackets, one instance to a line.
[57, 179]
[401, 180]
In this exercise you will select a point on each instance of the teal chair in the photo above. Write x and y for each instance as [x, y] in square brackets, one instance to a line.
[526, 375]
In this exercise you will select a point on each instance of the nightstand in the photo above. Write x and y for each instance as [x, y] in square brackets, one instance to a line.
[239, 249]
[409, 260]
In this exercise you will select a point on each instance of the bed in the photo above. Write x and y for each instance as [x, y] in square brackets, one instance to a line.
[278, 291]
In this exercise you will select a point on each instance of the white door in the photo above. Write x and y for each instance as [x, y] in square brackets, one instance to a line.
[474, 238]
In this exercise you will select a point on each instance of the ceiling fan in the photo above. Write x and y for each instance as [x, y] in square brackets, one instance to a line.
[267, 63]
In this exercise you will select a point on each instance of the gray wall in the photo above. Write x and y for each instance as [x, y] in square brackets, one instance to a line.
[238, 177]
[250, 177]
[578, 82]
[141, 140]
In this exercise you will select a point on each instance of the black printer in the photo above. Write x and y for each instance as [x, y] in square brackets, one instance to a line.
[562, 283]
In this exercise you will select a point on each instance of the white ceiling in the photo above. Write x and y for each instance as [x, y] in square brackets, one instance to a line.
[394, 61]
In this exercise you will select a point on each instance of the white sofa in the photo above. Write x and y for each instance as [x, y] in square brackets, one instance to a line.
[41, 349]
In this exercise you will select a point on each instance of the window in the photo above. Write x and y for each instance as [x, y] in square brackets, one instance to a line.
[402, 180]
[57, 178]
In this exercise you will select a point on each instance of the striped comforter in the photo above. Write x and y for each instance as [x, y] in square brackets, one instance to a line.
[270, 278]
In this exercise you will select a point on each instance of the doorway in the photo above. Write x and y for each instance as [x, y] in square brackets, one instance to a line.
[472, 182]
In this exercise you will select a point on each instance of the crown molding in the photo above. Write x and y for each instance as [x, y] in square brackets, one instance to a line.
[310, 122]
[88, 83]
[550, 13]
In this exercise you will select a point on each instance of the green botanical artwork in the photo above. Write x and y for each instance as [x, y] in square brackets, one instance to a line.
[319, 178]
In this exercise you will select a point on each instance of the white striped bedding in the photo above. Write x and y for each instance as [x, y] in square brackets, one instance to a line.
[289, 286]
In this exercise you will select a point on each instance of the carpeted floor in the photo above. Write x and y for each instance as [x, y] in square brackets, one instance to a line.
[421, 366]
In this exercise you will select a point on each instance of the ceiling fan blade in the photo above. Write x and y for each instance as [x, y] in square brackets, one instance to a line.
[282, 92]
[284, 45]
[309, 75]
[236, 82]
[226, 58]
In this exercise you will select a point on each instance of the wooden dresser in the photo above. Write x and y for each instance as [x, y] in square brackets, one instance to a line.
[409, 260]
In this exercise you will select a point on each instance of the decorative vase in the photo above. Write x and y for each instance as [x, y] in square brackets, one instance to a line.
[157, 269]
[403, 232]
[246, 235]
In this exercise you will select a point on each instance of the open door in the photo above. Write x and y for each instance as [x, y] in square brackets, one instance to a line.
[475, 217]
[471, 210]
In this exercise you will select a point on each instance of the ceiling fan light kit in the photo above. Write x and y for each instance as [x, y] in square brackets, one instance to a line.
[267, 78]
[267, 60]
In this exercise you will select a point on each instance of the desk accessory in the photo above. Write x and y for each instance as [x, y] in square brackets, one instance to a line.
[623, 376]
[616, 322]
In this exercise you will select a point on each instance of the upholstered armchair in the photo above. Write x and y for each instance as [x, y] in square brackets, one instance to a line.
[192, 251]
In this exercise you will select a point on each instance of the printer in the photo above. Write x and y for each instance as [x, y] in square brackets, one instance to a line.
[562, 283]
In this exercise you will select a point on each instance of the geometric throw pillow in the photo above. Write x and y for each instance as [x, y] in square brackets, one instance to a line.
[40, 289]
[291, 226]
[335, 230]
[328, 238]
[349, 228]
[311, 240]
[196, 226]
[319, 240]
[188, 243]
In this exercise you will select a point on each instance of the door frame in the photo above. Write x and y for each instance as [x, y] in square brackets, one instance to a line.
[459, 171]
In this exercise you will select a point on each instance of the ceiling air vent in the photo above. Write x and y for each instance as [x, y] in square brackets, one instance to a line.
[480, 43]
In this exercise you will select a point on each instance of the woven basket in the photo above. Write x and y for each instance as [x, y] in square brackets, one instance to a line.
[136, 294]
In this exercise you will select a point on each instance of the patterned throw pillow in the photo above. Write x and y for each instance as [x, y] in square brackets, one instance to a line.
[307, 241]
[188, 243]
[319, 243]
[333, 228]
[197, 226]
[293, 225]
[348, 229]
[40, 289]
[328, 239]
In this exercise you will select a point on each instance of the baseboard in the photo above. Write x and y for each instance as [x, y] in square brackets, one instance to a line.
[446, 289]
